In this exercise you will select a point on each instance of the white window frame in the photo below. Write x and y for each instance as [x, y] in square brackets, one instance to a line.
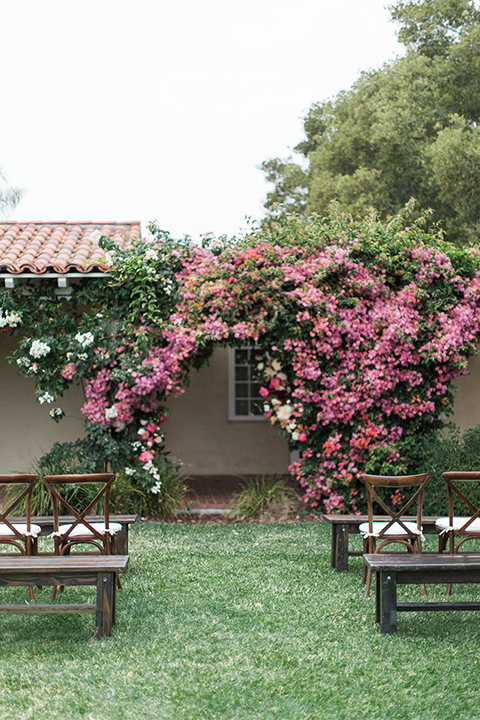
[232, 415]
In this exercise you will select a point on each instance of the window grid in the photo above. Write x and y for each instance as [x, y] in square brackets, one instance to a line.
[245, 400]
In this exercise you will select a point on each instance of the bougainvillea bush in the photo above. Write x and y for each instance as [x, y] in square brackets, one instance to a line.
[114, 336]
[359, 330]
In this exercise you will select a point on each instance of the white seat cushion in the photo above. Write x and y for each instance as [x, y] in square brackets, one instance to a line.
[82, 530]
[20, 527]
[443, 522]
[394, 529]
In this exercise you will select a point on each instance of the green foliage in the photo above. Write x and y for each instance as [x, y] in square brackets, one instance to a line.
[264, 495]
[409, 129]
[432, 27]
[441, 451]
[173, 495]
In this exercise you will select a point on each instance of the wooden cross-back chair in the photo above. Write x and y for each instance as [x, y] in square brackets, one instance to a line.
[16, 499]
[457, 529]
[82, 531]
[377, 534]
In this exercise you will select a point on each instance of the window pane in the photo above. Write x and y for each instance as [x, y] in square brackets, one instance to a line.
[241, 390]
[241, 373]
[241, 357]
[257, 407]
[241, 407]
[255, 390]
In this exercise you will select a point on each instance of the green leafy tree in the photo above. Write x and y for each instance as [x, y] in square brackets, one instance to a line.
[409, 129]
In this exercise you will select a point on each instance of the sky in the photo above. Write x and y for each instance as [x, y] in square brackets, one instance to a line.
[124, 110]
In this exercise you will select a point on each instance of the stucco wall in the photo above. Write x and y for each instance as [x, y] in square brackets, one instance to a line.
[200, 434]
[467, 399]
[26, 428]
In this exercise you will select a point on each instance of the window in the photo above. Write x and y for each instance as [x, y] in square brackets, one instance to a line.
[245, 402]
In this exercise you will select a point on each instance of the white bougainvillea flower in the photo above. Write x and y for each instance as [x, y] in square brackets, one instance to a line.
[111, 413]
[151, 254]
[284, 412]
[85, 339]
[39, 349]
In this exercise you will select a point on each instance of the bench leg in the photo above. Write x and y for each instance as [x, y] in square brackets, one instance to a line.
[341, 550]
[334, 546]
[387, 595]
[121, 541]
[105, 604]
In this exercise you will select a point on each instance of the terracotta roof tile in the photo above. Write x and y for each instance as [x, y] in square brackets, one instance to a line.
[38, 247]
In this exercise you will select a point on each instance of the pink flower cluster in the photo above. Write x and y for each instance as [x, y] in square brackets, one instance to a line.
[363, 355]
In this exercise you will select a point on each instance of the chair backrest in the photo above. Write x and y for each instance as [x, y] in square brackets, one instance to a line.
[57, 485]
[14, 496]
[395, 482]
[452, 478]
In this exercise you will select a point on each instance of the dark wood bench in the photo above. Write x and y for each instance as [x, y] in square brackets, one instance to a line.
[78, 569]
[404, 569]
[121, 538]
[344, 525]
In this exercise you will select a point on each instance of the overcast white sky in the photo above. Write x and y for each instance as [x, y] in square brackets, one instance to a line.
[118, 110]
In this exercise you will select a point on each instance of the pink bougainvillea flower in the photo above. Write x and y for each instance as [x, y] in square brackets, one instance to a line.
[146, 455]
[68, 371]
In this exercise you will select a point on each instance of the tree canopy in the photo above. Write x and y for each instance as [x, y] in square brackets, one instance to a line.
[408, 129]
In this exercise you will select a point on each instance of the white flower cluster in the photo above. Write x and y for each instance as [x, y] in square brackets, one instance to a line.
[10, 319]
[167, 286]
[150, 467]
[109, 257]
[151, 254]
[111, 413]
[23, 362]
[39, 349]
[130, 471]
[45, 398]
[85, 339]
[157, 487]
[56, 412]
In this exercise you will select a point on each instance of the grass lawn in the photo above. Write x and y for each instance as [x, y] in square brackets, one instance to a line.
[239, 621]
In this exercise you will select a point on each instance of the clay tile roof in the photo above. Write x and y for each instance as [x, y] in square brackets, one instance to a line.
[38, 247]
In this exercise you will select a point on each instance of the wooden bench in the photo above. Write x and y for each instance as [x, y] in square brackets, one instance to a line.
[404, 569]
[344, 525]
[78, 569]
[121, 538]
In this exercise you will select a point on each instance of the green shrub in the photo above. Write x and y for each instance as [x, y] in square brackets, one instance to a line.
[126, 495]
[267, 497]
[439, 452]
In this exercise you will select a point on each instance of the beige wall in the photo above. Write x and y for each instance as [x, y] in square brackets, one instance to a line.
[200, 434]
[467, 399]
[26, 428]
